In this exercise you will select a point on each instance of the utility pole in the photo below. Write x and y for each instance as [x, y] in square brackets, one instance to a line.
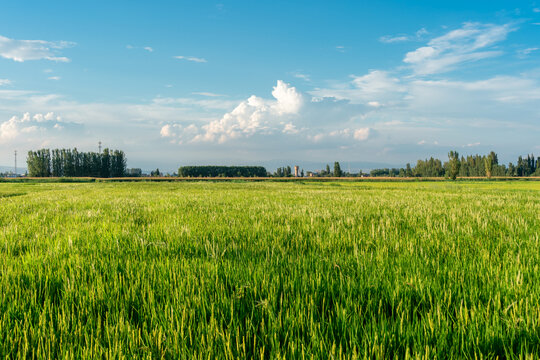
[15, 163]
[99, 147]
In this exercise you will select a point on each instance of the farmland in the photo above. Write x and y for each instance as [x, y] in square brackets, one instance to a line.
[270, 270]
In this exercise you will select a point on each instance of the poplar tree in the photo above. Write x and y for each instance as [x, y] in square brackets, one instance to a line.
[453, 164]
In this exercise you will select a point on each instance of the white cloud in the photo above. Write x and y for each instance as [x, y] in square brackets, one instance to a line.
[26, 124]
[24, 50]
[375, 88]
[361, 134]
[255, 115]
[5, 82]
[54, 78]
[179, 133]
[208, 94]
[290, 128]
[146, 48]
[288, 99]
[166, 131]
[191, 58]
[389, 39]
[393, 39]
[302, 76]
[525, 52]
[214, 102]
[288, 113]
[472, 42]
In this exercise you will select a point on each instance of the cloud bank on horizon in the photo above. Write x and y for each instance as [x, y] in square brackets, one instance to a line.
[449, 89]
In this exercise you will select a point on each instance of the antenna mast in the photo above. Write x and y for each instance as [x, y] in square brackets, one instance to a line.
[99, 147]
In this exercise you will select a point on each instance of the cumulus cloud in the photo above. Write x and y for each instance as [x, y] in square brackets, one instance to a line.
[166, 131]
[27, 124]
[254, 115]
[472, 42]
[24, 50]
[289, 112]
[16, 125]
[191, 58]
[148, 48]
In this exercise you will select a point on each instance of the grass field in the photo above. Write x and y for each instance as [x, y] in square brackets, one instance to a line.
[270, 270]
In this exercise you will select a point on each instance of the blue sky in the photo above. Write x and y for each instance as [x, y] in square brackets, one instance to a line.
[268, 82]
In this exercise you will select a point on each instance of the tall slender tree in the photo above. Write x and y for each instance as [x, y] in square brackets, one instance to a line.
[454, 164]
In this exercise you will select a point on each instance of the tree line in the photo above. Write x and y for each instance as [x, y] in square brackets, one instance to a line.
[74, 163]
[222, 171]
[470, 166]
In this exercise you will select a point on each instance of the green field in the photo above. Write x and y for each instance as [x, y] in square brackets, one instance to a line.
[270, 270]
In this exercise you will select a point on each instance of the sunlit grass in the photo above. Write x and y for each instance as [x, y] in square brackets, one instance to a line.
[271, 270]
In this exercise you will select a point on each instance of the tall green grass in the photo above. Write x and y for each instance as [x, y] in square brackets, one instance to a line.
[270, 270]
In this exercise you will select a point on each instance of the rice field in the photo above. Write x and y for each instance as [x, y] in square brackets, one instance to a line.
[269, 270]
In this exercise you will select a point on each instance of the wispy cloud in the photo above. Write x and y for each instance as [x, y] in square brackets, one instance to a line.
[373, 89]
[472, 42]
[340, 48]
[392, 39]
[209, 94]
[5, 82]
[388, 39]
[302, 76]
[24, 50]
[191, 58]
[146, 48]
[536, 10]
[56, 78]
[526, 52]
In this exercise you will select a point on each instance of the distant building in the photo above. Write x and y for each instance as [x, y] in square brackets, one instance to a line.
[296, 174]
